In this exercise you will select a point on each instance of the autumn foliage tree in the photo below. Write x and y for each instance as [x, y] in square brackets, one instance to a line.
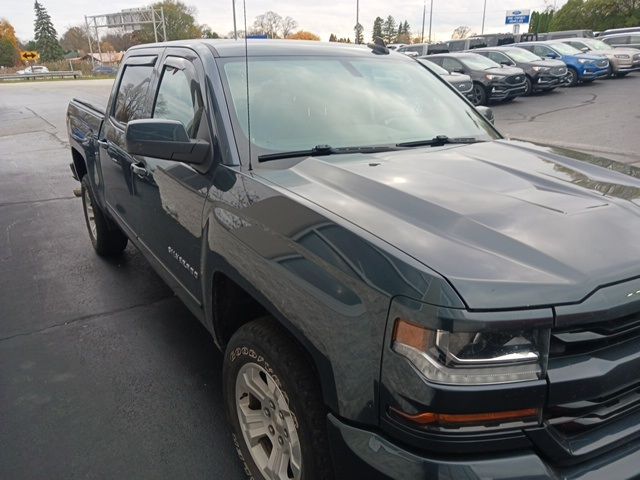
[9, 52]
[303, 35]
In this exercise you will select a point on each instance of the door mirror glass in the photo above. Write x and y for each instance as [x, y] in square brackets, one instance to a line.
[487, 113]
[506, 63]
[166, 139]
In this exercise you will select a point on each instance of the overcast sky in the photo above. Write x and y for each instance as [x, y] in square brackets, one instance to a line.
[320, 17]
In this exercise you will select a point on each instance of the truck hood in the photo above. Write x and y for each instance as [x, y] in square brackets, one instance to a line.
[509, 224]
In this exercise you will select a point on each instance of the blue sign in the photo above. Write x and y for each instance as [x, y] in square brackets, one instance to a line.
[517, 17]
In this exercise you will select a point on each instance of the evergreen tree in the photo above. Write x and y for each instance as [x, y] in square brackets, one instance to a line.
[389, 31]
[46, 36]
[333, 38]
[377, 28]
[359, 31]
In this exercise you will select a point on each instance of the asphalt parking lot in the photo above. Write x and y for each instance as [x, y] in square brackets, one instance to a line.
[103, 372]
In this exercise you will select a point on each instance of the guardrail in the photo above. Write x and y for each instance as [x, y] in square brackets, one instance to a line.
[35, 76]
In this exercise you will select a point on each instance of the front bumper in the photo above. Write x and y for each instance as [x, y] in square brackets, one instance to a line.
[359, 453]
[588, 73]
[546, 82]
[502, 92]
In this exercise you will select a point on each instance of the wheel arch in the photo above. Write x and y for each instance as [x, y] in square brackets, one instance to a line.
[235, 302]
[79, 163]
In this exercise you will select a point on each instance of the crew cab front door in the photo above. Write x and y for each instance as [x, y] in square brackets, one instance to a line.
[129, 102]
[171, 193]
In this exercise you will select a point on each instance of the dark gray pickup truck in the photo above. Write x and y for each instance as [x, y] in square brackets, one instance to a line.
[400, 292]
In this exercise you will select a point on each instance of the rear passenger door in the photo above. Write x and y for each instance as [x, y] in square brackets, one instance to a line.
[129, 102]
[172, 193]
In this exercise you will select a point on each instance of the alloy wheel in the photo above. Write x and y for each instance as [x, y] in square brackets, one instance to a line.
[268, 426]
[91, 218]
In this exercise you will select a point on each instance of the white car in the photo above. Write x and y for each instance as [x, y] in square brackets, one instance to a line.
[33, 69]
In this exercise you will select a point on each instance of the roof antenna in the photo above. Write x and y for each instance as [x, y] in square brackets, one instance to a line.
[246, 73]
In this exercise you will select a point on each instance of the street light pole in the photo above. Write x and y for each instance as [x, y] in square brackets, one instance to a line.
[235, 29]
[430, 20]
[357, 20]
[484, 13]
[424, 12]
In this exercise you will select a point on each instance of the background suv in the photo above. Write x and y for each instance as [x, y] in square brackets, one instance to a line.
[631, 40]
[460, 82]
[622, 60]
[541, 73]
[491, 81]
[581, 67]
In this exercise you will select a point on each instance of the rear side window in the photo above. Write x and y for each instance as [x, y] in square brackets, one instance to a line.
[450, 65]
[623, 40]
[132, 92]
[179, 99]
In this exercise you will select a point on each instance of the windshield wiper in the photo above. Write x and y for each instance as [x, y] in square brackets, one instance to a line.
[323, 150]
[438, 141]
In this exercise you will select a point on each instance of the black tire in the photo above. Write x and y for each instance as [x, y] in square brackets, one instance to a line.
[478, 94]
[621, 74]
[262, 343]
[107, 239]
[528, 86]
[572, 74]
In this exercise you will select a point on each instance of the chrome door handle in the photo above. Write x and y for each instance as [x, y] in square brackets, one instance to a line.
[103, 143]
[138, 170]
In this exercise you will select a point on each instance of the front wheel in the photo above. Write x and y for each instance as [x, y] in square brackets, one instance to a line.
[107, 239]
[572, 77]
[478, 95]
[528, 87]
[274, 405]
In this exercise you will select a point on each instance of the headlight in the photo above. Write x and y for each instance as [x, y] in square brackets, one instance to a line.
[622, 56]
[540, 69]
[473, 358]
[584, 60]
[494, 77]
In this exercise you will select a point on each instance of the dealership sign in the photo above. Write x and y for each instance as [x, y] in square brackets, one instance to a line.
[517, 17]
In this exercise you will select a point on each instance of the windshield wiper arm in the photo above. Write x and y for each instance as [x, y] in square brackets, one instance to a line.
[323, 150]
[438, 141]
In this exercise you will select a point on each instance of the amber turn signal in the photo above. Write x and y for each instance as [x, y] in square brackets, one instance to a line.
[430, 418]
[411, 334]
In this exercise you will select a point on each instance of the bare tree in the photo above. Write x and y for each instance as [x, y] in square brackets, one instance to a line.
[287, 26]
[269, 24]
[461, 32]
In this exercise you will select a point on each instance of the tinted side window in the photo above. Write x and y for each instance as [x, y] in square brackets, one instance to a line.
[450, 65]
[132, 92]
[624, 40]
[634, 39]
[498, 57]
[179, 99]
[456, 45]
[540, 50]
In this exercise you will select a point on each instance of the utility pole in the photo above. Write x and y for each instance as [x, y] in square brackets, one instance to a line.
[235, 29]
[424, 12]
[357, 19]
[430, 20]
[484, 13]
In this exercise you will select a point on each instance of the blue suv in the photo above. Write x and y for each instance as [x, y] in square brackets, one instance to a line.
[581, 67]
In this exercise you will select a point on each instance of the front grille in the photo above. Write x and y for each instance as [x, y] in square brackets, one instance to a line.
[581, 417]
[602, 63]
[558, 71]
[594, 336]
[515, 80]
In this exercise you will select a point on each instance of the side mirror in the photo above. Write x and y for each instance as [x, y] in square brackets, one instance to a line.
[486, 113]
[506, 63]
[551, 55]
[166, 139]
[458, 70]
[584, 49]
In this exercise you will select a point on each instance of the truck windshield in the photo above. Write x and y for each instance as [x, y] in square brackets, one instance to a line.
[297, 103]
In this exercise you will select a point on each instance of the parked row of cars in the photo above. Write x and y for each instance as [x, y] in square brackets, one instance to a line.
[502, 73]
